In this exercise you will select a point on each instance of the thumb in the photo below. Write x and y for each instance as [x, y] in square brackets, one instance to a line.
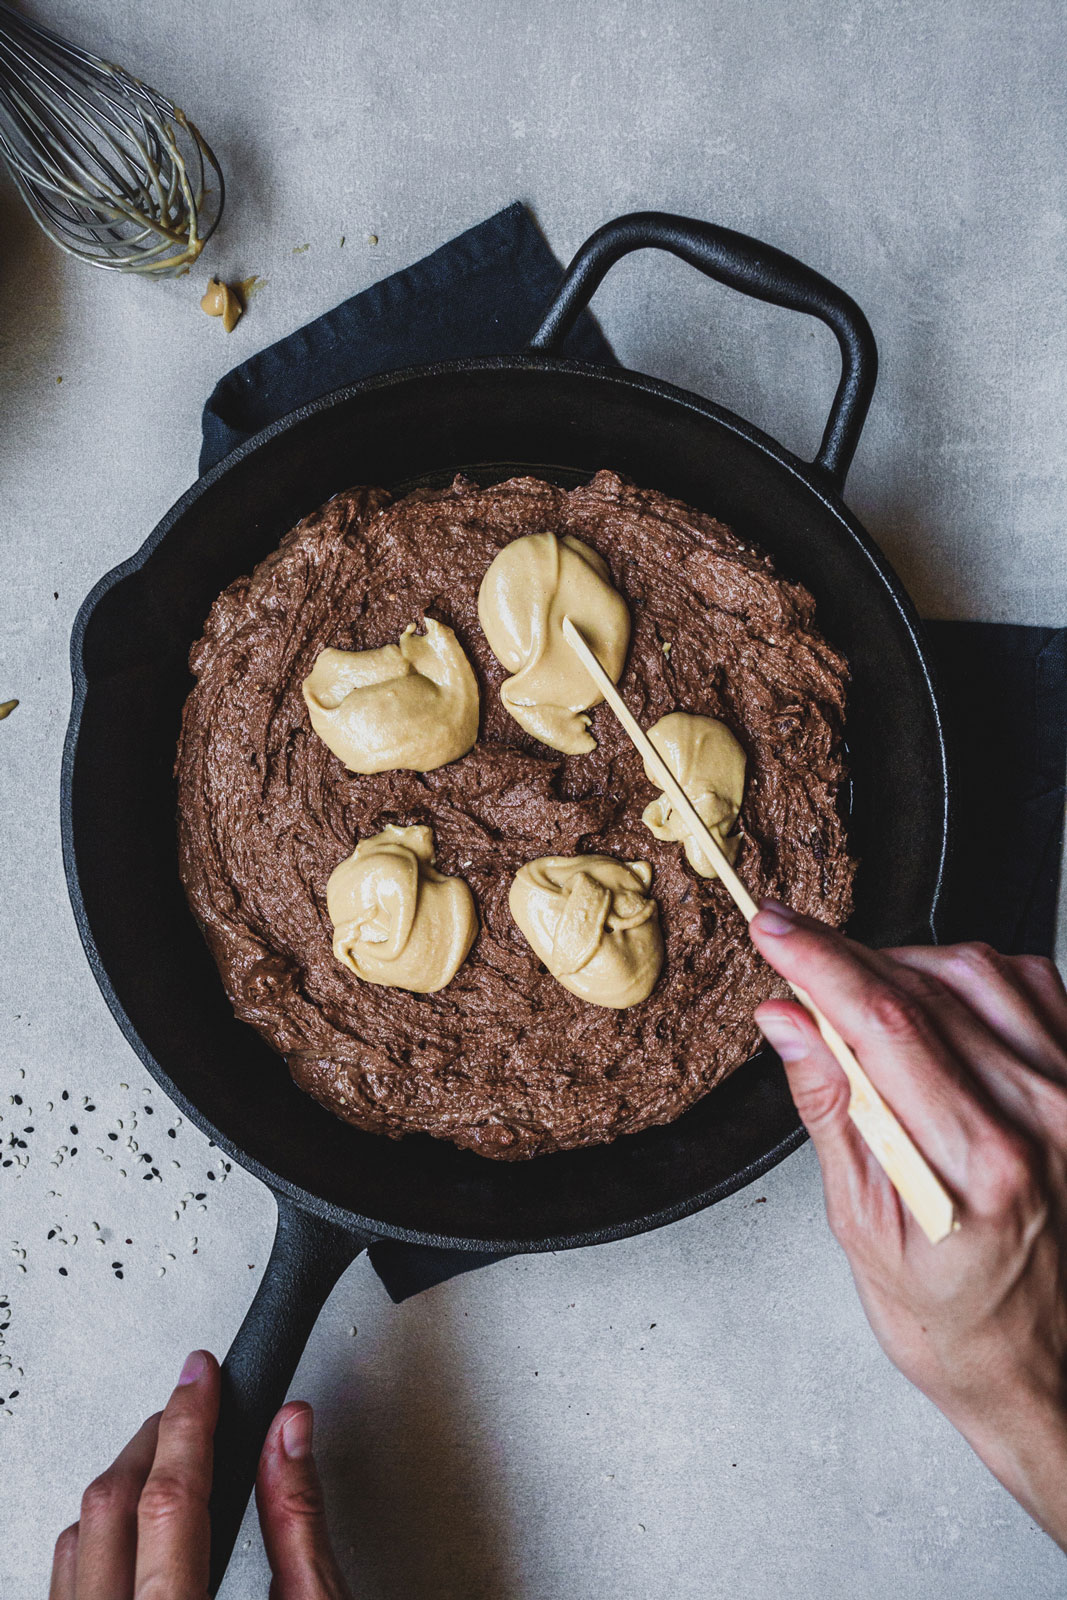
[292, 1514]
[821, 1095]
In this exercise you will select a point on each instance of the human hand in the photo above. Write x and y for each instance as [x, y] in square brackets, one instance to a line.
[143, 1530]
[969, 1048]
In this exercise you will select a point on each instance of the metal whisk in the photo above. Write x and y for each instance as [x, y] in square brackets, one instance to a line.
[114, 173]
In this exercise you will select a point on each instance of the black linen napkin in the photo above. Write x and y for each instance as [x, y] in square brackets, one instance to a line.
[1004, 689]
[482, 294]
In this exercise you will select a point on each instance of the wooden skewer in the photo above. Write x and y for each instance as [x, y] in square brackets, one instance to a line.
[899, 1157]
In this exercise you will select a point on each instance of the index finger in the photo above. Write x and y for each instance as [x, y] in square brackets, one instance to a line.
[173, 1532]
[893, 1034]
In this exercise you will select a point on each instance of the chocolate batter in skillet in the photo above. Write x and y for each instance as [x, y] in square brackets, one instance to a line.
[504, 1060]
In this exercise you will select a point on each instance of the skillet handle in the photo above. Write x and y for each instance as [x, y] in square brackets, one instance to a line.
[756, 269]
[307, 1258]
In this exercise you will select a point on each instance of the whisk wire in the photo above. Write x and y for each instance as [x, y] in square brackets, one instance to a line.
[114, 173]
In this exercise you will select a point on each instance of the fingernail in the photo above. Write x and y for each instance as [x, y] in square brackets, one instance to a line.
[775, 918]
[783, 1036]
[296, 1434]
[194, 1368]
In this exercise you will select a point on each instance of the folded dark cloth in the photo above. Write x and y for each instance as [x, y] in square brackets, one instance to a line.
[480, 295]
[1004, 689]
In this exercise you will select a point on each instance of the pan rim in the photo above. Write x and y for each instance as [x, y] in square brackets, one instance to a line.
[811, 478]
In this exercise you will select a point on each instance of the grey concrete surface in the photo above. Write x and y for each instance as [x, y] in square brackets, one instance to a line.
[697, 1413]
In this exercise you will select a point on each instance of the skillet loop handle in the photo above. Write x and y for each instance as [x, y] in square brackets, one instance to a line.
[308, 1257]
[756, 269]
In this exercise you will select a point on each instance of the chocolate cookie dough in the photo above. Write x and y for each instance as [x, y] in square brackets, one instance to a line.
[503, 1060]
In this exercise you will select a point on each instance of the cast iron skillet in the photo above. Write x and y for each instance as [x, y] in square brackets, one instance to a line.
[339, 1189]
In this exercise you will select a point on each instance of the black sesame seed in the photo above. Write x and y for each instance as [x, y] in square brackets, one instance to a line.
[73, 1128]
[74, 1150]
[17, 1099]
[171, 1134]
[62, 1272]
[13, 1395]
[29, 1129]
[90, 1108]
[155, 1172]
[149, 1111]
[200, 1196]
[211, 1175]
[64, 1095]
[112, 1135]
[118, 1274]
[51, 1233]
[116, 1264]
[6, 1163]
[147, 1176]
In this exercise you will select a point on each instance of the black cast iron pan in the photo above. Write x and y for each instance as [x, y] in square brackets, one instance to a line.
[338, 1189]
